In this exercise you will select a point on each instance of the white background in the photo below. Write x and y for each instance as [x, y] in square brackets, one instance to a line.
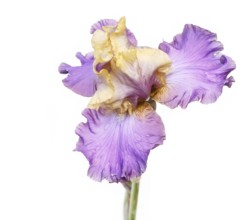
[200, 172]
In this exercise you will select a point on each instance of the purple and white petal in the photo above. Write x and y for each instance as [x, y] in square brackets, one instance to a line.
[117, 145]
[100, 24]
[198, 71]
[80, 79]
[111, 22]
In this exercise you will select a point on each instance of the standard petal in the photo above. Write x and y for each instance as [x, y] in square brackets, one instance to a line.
[117, 146]
[80, 79]
[132, 75]
[198, 70]
[100, 24]
[111, 22]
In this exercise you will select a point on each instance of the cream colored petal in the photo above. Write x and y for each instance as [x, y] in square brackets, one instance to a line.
[110, 41]
[132, 76]
[104, 92]
[119, 39]
[102, 46]
[129, 74]
[152, 60]
[148, 67]
[142, 63]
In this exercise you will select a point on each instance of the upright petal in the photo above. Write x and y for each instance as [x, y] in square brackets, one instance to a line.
[117, 146]
[111, 22]
[80, 79]
[198, 70]
[109, 40]
[131, 76]
[102, 23]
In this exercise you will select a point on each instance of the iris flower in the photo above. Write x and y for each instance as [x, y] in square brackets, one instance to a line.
[123, 81]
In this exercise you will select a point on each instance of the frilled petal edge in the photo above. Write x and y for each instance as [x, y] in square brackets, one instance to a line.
[117, 146]
[198, 71]
[111, 22]
[131, 78]
[80, 79]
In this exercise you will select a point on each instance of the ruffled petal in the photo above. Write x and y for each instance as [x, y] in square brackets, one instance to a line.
[117, 146]
[131, 76]
[108, 41]
[100, 24]
[198, 70]
[80, 79]
[111, 22]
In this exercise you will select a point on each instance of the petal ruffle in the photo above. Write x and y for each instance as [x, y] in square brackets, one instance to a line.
[131, 76]
[117, 146]
[111, 22]
[80, 79]
[127, 72]
[110, 40]
[198, 71]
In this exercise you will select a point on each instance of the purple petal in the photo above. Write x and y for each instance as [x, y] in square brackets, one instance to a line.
[111, 22]
[116, 145]
[80, 79]
[131, 37]
[198, 71]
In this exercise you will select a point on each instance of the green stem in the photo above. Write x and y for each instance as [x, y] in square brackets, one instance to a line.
[133, 199]
[127, 186]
